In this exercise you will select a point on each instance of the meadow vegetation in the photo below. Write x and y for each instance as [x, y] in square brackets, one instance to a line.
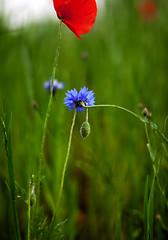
[115, 186]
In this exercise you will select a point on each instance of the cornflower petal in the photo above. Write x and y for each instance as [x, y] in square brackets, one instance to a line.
[75, 99]
[56, 85]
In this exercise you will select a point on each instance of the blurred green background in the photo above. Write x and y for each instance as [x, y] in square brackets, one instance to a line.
[123, 59]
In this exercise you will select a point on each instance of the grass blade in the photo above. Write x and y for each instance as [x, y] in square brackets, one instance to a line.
[146, 234]
[8, 148]
[151, 209]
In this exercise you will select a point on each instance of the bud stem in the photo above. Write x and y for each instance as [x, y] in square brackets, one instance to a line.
[87, 115]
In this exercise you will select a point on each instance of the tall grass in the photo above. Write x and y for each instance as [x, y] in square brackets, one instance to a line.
[106, 193]
[11, 178]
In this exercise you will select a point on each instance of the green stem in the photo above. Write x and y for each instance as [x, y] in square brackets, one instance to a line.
[144, 120]
[66, 161]
[162, 192]
[48, 113]
[118, 107]
[63, 174]
[28, 214]
[147, 135]
[148, 142]
[165, 123]
[162, 223]
[16, 224]
[152, 155]
[87, 115]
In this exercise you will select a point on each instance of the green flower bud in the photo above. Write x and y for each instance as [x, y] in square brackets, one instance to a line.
[32, 199]
[85, 130]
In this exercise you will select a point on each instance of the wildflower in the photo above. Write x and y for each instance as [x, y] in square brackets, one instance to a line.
[78, 100]
[78, 15]
[145, 112]
[56, 85]
[34, 105]
[147, 10]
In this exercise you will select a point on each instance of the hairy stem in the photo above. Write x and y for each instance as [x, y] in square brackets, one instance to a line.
[144, 120]
[87, 115]
[63, 175]
[48, 113]
[118, 107]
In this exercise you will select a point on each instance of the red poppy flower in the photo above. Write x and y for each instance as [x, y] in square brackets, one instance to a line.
[78, 15]
[147, 10]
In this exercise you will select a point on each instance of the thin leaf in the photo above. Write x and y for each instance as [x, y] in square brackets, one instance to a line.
[56, 231]
[151, 209]
[59, 226]
[165, 125]
[8, 148]
[146, 234]
[20, 192]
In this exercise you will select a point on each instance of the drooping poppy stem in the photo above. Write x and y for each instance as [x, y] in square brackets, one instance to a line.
[52, 224]
[48, 113]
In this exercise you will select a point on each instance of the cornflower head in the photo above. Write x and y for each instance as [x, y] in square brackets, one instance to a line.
[79, 100]
[56, 85]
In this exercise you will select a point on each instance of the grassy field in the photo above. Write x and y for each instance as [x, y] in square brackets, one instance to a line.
[123, 59]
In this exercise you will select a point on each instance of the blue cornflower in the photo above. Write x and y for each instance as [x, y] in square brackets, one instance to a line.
[75, 99]
[56, 85]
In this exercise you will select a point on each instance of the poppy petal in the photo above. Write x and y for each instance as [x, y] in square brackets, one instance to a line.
[78, 15]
